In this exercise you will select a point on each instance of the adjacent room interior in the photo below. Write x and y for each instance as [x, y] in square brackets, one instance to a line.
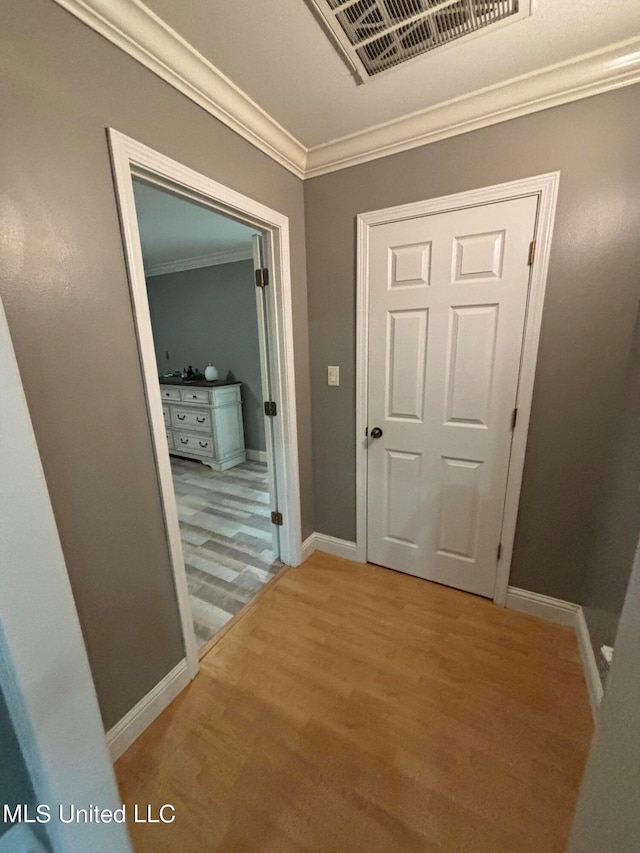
[204, 308]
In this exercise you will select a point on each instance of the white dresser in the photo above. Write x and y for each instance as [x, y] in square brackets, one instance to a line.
[205, 423]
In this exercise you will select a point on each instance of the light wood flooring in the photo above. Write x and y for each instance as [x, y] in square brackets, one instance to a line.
[353, 709]
[227, 538]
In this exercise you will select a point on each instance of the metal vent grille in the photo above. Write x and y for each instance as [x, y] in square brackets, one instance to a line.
[377, 35]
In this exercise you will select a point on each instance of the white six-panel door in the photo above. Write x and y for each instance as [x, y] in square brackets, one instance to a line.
[447, 305]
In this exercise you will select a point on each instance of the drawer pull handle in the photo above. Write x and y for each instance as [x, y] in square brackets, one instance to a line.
[184, 441]
[181, 417]
[203, 443]
[194, 396]
[201, 420]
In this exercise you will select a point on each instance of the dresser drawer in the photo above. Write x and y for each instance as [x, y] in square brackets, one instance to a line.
[196, 419]
[198, 395]
[169, 393]
[202, 445]
[166, 414]
[169, 435]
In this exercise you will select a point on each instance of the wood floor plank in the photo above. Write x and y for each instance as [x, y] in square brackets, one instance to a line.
[227, 540]
[355, 709]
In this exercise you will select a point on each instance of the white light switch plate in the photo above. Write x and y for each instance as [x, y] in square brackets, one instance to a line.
[333, 375]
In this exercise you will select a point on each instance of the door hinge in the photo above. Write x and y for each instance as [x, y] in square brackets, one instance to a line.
[262, 277]
[514, 419]
[276, 518]
[270, 409]
[499, 551]
[532, 251]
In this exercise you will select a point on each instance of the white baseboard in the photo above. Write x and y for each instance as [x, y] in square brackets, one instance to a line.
[338, 547]
[535, 604]
[563, 613]
[131, 726]
[256, 455]
[329, 545]
[308, 547]
[591, 673]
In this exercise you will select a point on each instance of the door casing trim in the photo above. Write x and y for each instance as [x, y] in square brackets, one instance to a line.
[130, 158]
[546, 188]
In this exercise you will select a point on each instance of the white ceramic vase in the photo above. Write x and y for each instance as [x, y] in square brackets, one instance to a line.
[210, 373]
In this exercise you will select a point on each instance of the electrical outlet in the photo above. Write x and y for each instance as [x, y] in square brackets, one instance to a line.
[333, 375]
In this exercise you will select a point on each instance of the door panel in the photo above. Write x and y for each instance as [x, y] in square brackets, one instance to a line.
[407, 350]
[401, 492]
[410, 266]
[459, 508]
[478, 257]
[471, 356]
[448, 296]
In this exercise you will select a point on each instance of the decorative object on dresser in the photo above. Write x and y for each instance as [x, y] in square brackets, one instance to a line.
[205, 422]
[211, 372]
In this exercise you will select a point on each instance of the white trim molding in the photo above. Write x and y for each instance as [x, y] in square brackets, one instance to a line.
[131, 726]
[581, 77]
[546, 188]
[563, 613]
[140, 33]
[329, 545]
[308, 547]
[224, 256]
[256, 455]
[589, 663]
[131, 158]
[45, 677]
[544, 606]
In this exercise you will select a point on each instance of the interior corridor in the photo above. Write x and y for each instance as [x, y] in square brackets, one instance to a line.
[353, 708]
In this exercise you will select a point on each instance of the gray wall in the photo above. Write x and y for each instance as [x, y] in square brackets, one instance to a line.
[617, 527]
[588, 317]
[209, 314]
[608, 812]
[65, 290]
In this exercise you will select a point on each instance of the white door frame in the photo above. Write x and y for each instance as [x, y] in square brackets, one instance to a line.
[259, 252]
[133, 159]
[546, 188]
[44, 670]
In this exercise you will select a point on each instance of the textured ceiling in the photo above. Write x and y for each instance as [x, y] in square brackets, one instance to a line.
[173, 229]
[278, 53]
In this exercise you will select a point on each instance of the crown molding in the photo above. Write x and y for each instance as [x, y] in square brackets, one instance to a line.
[224, 256]
[134, 28]
[581, 77]
[143, 35]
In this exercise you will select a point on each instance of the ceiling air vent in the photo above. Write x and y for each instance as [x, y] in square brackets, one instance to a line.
[377, 35]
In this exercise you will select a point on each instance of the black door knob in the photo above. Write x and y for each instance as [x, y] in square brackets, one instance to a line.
[376, 432]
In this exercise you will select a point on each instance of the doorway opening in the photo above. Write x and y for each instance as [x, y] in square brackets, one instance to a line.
[207, 319]
[211, 295]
